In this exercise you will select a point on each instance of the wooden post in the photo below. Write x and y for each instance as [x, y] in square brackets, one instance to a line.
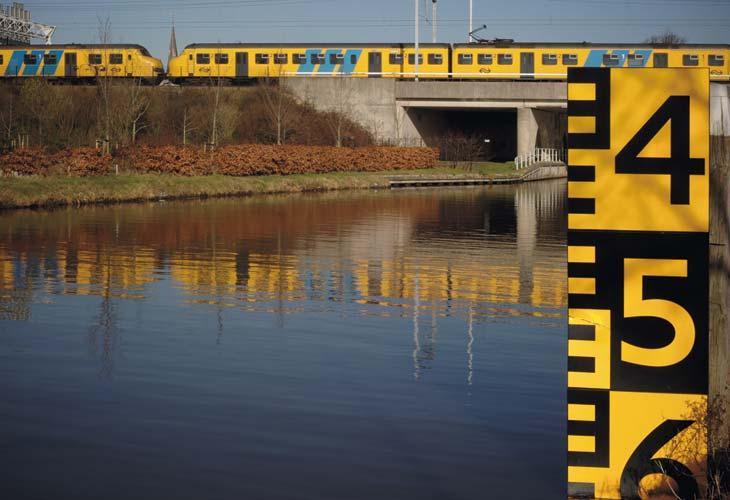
[720, 281]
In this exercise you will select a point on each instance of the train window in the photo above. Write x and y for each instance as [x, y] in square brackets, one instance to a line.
[299, 58]
[412, 59]
[1, 60]
[715, 60]
[202, 58]
[549, 59]
[661, 60]
[435, 59]
[337, 58]
[94, 58]
[50, 59]
[353, 59]
[317, 58]
[116, 58]
[129, 57]
[281, 59]
[221, 58]
[485, 59]
[30, 59]
[396, 58]
[504, 59]
[262, 58]
[570, 59]
[690, 60]
[465, 59]
[610, 60]
[636, 60]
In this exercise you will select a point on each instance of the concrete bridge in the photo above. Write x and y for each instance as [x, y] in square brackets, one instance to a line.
[516, 117]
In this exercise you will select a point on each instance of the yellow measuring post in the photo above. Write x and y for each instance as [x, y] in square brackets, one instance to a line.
[638, 307]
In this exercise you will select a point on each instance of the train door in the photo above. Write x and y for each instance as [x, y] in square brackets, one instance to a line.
[191, 64]
[241, 64]
[129, 65]
[661, 60]
[375, 64]
[71, 66]
[527, 65]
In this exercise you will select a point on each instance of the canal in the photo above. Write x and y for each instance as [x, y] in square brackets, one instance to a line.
[390, 345]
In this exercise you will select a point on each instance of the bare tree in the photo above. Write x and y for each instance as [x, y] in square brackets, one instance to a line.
[7, 117]
[279, 103]
[104, 85]
[338, 116]
[135, 103]
[668, 37]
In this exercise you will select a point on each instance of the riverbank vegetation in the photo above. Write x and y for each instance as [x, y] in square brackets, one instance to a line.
[58, 190]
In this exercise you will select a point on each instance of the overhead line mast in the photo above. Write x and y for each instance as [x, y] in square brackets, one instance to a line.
[17, 26]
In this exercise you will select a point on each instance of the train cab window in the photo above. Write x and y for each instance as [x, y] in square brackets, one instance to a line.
[337, 58]
[129, 57]
[549, 59]
[636, 60]
[610, 60]
[94, 59]
[48, 59]
[202, 58]
[485, 59]
[1, 60]
[262, 58]
[570, 59]
[661, 60]
[299, 58]
[690, 60]
[281, 59]
[396, 58]
[504, 59]
[317, 58]
[116, 58]
[712, 60]
[30, 59]
[465, 59]
[412, 59]
[435, 59]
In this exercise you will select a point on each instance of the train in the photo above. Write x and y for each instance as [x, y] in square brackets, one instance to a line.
[241, 63]
[79, 63]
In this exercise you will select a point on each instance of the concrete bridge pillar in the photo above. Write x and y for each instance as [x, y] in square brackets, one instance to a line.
[539, 128]
[527, 129]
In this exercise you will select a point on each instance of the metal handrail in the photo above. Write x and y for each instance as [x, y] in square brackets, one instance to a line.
[540, 155]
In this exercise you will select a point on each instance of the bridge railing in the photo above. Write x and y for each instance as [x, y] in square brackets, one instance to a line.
[540, 155]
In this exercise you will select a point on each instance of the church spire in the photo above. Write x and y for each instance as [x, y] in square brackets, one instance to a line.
[173, 43]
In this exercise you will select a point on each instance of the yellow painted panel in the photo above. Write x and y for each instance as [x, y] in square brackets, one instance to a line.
[585, 286]
[581, 255]
[581, 413]
[581, 124]
[582, 444]
[582, 92]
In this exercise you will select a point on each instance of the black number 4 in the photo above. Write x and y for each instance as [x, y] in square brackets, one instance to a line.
[679, 166]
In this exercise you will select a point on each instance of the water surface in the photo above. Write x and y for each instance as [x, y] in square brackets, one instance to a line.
[391, 345]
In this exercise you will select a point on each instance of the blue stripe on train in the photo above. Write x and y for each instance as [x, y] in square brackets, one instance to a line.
[348, 67]
[595, 58]
[308, 66]
[32, 69]
[15, 63]
[50, 69]
[329, 66]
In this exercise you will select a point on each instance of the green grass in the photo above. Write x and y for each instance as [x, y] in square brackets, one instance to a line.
[20, 192]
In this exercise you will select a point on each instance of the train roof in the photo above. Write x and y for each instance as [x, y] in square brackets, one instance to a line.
[537, 45]
[75, 46]
[311, 45]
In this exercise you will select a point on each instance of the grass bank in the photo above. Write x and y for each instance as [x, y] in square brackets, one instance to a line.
[37, 191]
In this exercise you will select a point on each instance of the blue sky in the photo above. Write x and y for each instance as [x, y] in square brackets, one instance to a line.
[148, 22]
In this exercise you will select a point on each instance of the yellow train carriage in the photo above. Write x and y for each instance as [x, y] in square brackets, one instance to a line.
[79, 62]
[250, 61]
[551, 61]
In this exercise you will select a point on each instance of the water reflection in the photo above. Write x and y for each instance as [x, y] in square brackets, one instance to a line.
[354, 345]
[280, 255]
